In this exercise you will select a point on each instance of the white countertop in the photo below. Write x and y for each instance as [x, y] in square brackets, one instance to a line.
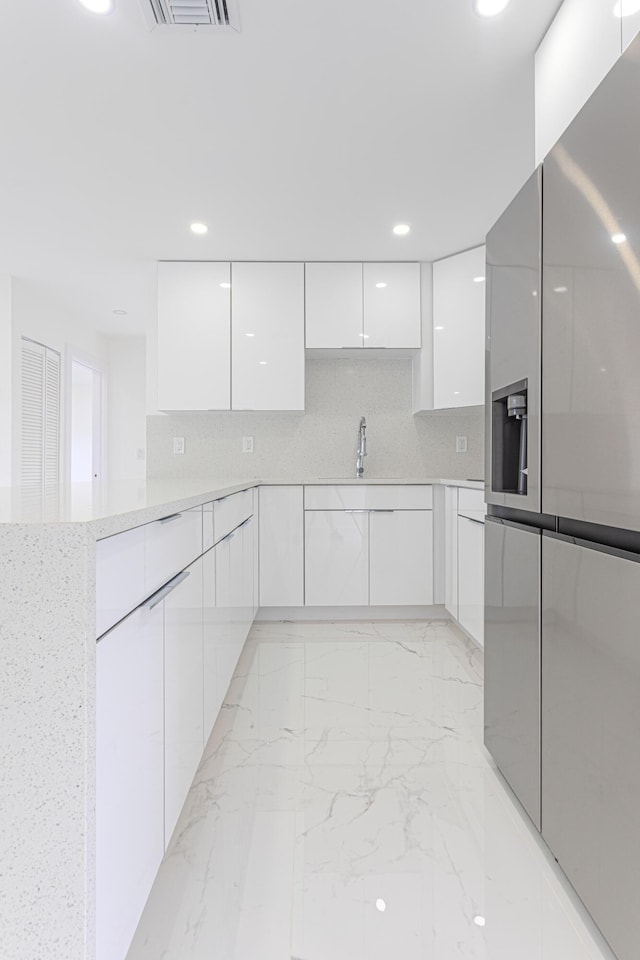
[111, 507]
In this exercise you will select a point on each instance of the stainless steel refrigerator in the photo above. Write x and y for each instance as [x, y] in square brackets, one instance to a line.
[562, 563]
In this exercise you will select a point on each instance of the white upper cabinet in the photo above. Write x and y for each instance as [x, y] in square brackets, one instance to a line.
[391, 305]
[194, 334]
[458, 329]
[580, 47]
[268, 336]
[333, 305]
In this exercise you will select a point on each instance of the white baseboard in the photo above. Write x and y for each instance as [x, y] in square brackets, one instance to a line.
[435, 612]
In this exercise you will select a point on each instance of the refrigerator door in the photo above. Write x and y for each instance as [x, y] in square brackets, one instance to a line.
[513, 337]
[591, 293]
[512, 657]
[591, 730]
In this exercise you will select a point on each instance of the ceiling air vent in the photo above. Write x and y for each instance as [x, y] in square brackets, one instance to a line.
[215, 15]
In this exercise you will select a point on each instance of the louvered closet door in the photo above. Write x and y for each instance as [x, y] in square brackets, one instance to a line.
[40, 415]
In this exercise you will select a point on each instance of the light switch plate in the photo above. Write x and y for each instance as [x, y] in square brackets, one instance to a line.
[461, 444]
[178, 444]
[247, 444]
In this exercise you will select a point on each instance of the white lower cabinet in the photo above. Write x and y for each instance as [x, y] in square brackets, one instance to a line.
[336, 558]
[220, 639]
[451, 550]
[471, 577]
[401, 557]
[130, 775]
[281, 546]
[183, 689]
[162, 674]
[247, 532]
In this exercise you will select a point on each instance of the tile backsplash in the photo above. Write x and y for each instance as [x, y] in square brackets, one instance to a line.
[321, 442]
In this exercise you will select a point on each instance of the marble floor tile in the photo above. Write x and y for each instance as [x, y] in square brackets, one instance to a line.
[346, 809]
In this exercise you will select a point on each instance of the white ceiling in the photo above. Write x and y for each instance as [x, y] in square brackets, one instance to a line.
[306, 135]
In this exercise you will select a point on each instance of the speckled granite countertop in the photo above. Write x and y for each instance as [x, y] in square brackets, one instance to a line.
[108, 508]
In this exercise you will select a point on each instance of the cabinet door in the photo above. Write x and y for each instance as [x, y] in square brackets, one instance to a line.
[211, 630]
[183, 668]
[219, 651]
[129, 774]
[401, 557]
[591, 730]
[392, 305]
[247, 532]
[228, 578]
[268, 336]
[333, 305]
[458, 330]
[336, 558]
[471, 577]
[451, 550]
[281, 547]
[194, 336]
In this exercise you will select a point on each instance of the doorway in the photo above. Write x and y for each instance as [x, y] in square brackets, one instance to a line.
[85, 423]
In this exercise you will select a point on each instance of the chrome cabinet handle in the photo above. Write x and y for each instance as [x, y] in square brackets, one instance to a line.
[471, 520]
[381, 511]
[174, 516]
[168, 588]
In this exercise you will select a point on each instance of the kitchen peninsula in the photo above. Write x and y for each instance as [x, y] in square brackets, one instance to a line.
[48, 625]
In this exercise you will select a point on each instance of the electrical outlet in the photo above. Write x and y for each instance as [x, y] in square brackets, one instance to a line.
[247, 444]
[461, 444]
[178, 444]
[140, 453]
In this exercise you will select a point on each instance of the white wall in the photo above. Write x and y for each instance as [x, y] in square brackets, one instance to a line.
[321, 442]
[582, 44]
[127, 425]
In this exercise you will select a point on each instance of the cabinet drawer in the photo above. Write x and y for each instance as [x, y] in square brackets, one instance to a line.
[368, 497]
[471, 501]
[208, 538]
[120, 585]
[230, 512]
[171, 544]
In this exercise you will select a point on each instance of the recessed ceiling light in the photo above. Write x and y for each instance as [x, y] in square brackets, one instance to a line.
[262, 363]
[618, 238]
[490, 8]
[439, 328]
[560, 289]
[98, 6]
[199, 228]
[478, 279]
[401, 229]
[456, 393]
[380, 285]
[479, 921]
[630, 7]
[119, 313]
[225, 286]
[249, 334]
[534, 293]
[381, 905]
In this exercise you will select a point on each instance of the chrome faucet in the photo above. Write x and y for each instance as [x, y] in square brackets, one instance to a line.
[362, 447]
